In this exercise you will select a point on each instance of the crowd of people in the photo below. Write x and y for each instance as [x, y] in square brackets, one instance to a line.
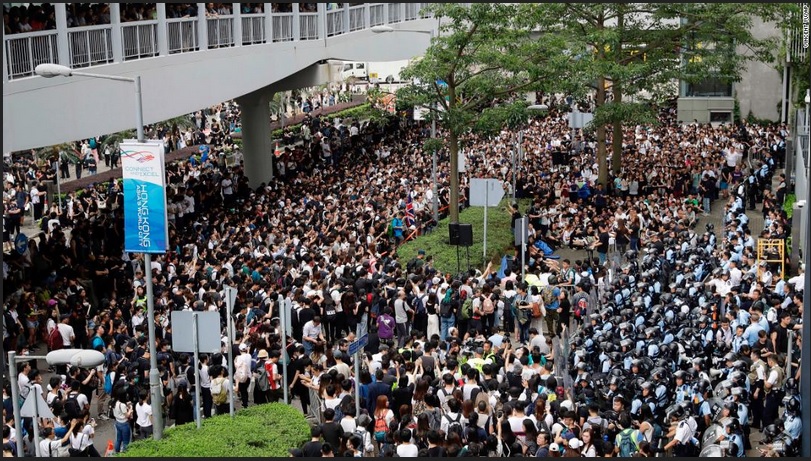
[600, 356]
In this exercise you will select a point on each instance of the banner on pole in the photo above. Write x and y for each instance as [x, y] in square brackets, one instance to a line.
[146, 228]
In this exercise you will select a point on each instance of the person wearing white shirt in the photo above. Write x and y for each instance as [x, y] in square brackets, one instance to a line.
[143, 415]
[49, 445]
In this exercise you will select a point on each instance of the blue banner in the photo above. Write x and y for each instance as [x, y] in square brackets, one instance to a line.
[146, 227]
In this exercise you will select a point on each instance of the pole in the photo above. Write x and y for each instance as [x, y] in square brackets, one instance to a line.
[486, 203]
[434, 161]
[789, 354]
[15, 400]
[805, 351]
[523, 246]
[283, 323]
[196, 333]
[229, 345]
[516, 156]
[154, 376]
[357, 372]
[31, 393]
[59, 189]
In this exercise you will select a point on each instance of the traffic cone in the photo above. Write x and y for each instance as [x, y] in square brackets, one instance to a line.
[110, 451]
[277, 152]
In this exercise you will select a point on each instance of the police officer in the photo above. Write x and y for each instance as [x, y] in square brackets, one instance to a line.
[735, 439]
[682, 389]
[772, 388]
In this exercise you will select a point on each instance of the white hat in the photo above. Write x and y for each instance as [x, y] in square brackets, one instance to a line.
[554, 447]
[243, 347]
[575, 444]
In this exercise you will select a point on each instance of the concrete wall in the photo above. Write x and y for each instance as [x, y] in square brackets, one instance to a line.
[699, 109]
[41, 112]
[761, 86]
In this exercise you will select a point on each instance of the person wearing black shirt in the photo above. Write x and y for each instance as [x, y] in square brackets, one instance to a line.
[331, 430]
[312, 449]
[779, 336]
[435, 449]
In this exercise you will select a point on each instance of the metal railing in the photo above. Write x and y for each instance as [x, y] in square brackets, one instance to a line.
[335, 23]
[90, 45]
[24, 52]
[357, 18]
[182, 35]
[220, 31]
[139, 40]
[308, 26]
[377, 14]
[283, 27]
[395, 13]
[94, 45]
[411, 11]
[424, 10]
[253, 29]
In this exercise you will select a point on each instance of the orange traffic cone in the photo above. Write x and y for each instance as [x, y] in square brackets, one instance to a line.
[110, 451]
[277, 152]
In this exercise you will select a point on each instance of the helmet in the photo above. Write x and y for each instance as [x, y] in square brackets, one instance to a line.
[770, 432]
[791, 385]
[734, 425]
[553, 280]
[793, 406]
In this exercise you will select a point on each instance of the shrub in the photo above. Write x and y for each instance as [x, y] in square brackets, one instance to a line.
[258, 431]
[500, 240]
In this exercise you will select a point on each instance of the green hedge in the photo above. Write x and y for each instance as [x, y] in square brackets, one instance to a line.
[500, 240]
[360, 113]
[259, 431]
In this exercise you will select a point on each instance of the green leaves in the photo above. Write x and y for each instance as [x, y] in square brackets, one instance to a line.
[259, 431]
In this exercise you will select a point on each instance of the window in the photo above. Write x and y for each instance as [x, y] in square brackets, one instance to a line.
[721, 117]
[711, 87]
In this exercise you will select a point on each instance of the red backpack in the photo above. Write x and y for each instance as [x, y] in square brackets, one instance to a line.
[55, 340]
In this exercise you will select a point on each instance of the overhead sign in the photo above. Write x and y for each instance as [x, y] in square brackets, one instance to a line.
[486, 192]
[208, 331]
[146, 228]
[357, 345]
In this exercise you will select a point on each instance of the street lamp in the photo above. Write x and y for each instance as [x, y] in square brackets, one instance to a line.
[77, 357]
[538, 107]
[388, 29]
[56, 70]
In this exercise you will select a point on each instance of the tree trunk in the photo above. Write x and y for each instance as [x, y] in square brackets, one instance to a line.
[616, 141]
[453, 140]
[601, 147]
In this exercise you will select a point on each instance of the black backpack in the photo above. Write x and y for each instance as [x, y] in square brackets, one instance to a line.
[72, 407]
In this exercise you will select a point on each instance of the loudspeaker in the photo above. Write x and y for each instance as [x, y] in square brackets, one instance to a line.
[453, 233]
[465, 235]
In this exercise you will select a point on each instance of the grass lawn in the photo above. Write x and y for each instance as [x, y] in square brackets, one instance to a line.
[500, 240]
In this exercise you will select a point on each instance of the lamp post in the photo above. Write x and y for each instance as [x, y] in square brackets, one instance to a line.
[431, 34]
[55, 70]
[76, 357]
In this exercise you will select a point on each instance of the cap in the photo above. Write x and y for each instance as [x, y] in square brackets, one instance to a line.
[52, 302]
[575, 444]
[554, 447]
[263, 354]
[421, 252]
[243, 347]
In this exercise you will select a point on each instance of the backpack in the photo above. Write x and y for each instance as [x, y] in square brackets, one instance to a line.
[548, 295]
[487, 305]
[262, 379]
[381, 428]
[419, 305]
[455, 427]
[72, 407]
[445, 307]
[627, 447]
[219, 393]
[108, 384]
[55, 340]
[467, 309]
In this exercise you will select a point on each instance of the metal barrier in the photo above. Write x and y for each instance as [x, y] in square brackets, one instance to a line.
[335, 23]
[90, 45]
[220, 31]
[357, 18]
[411, 11]
[139, 40]
[394, 13]
[182, 35]
[308, 26]
[377, 15]
[283, 27]
[24, 52]
[253, 29]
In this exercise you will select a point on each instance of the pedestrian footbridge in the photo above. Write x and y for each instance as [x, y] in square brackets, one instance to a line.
[189, 63]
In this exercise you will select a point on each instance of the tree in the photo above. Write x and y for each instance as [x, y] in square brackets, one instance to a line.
[471, 76]
[630, 48]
